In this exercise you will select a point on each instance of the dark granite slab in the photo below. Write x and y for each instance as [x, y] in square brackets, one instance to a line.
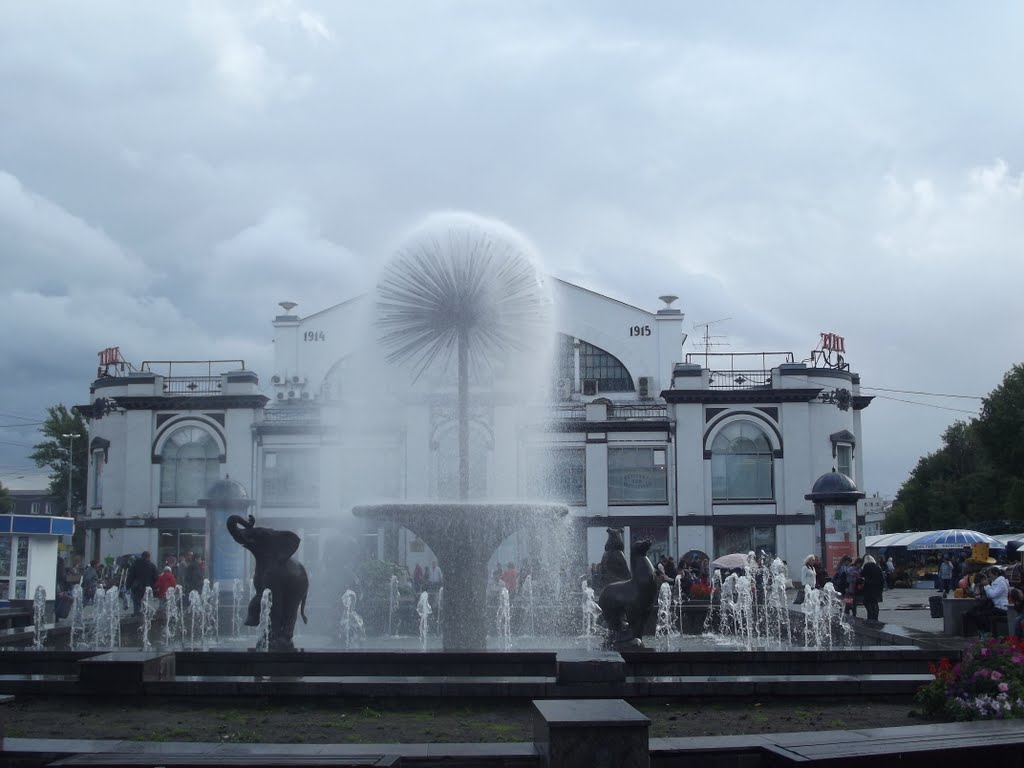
[574, 733]
[584, 666]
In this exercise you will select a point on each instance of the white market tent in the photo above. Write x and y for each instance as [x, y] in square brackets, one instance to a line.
[1006, 538]
[886, 540]
[931, 540]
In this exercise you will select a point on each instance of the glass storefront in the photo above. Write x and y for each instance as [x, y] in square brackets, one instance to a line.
[175, 543]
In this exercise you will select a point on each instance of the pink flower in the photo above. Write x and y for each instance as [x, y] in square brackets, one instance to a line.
[996, 674]
[1017, 659]
[1003, 687]
[984, 651]
[982, 673]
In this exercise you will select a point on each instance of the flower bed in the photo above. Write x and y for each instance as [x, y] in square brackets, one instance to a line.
[987, 683]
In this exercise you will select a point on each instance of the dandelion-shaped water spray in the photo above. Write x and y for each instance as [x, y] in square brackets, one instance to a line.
[465, 290]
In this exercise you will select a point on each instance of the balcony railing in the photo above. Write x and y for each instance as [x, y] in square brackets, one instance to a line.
[740, 370]
[192, 385]
[192, 377]
[307, 415]
[616, 412]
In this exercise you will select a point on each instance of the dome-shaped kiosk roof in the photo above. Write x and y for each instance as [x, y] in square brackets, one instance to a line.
[834, 487]
[227, 493]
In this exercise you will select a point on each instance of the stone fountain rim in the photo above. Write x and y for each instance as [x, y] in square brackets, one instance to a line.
[372, 510]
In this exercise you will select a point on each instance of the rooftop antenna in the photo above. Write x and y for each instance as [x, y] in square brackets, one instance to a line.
[706, 340]
[287, 306]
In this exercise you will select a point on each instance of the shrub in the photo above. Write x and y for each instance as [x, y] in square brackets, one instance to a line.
[987, 683]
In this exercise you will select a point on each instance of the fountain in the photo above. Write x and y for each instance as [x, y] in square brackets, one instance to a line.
[351, 624]
[503, 620]
[465, 296]
[423, 611]
[39, 619]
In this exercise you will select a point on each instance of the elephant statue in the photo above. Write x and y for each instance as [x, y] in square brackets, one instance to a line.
[275, 570]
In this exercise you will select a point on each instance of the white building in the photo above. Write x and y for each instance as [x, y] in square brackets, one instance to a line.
[874, 508]
[712, 453]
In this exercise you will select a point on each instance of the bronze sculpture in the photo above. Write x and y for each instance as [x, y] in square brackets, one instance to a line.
[275, 570]
[626, 605]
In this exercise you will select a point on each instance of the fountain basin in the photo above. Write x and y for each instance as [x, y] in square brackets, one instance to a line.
[463, 536]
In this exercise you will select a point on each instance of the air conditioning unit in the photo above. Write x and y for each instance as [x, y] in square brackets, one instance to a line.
[296, 379]
[589, 387]
[646, 387]
[275, 379]
[291, 393]
[564, 389]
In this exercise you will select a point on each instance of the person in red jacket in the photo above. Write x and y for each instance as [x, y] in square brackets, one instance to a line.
[164, 582]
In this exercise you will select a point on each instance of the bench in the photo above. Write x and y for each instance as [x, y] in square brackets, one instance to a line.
[225, 760]
[996, 743]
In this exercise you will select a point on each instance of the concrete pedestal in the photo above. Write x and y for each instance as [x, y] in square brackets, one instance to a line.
[590, 733]
[953, 610]
[125, 671]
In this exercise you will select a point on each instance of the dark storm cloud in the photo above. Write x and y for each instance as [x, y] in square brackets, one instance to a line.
[169, 172]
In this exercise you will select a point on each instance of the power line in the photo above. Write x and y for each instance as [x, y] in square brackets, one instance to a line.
[927, 405]
[5, 414]
[916, 392]
[26, 424]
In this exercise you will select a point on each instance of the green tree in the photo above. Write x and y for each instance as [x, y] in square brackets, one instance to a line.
[1000, 426]
[896, 521]
[6, 502]
[65, 456]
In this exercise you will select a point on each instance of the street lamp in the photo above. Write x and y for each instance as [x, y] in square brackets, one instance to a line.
[71, 466]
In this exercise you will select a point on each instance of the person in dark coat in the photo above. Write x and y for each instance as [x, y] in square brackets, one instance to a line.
[874, 583]
[142, 575]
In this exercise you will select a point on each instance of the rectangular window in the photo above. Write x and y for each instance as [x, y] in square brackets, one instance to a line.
[743, 539]
[5, 567]
[741, 477]
[557, 474]
[97, 478]
[637, 476]
[291, 476]
[21, 568]
[36, 508]
[844, 459]
[174, 544]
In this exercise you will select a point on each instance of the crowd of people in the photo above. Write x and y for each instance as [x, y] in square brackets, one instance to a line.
[131, 574]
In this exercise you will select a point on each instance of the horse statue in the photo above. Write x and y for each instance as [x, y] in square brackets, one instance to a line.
[627, 605]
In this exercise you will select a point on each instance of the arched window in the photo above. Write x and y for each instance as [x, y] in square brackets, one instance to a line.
[189, 465]
[603, 371]
[335, 380]
[741, 464]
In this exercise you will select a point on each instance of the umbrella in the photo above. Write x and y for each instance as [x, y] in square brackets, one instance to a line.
[953, 538]
[730, 562]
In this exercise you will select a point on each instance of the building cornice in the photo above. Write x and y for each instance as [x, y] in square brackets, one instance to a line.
[735, 396]
[190, 402]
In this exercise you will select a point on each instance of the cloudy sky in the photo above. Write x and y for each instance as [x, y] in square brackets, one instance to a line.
[170, 171]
